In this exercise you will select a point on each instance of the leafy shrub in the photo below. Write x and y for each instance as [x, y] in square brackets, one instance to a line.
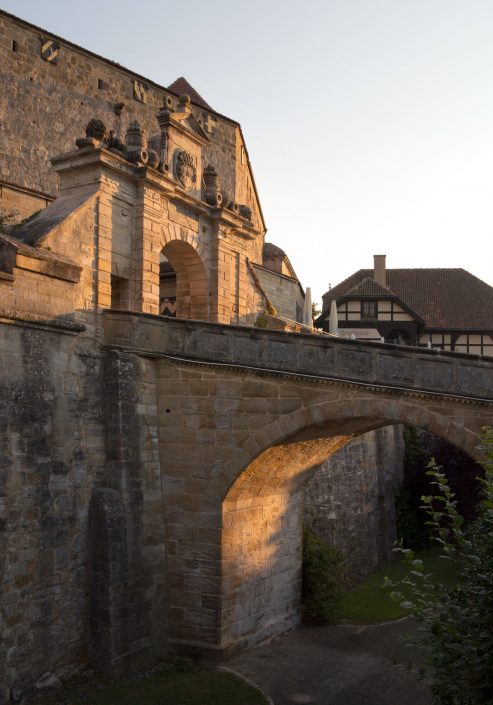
[456, 632]
[323, 579]
[462, 473]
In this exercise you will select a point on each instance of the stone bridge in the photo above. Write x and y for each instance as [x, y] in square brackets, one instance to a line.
[212, 431]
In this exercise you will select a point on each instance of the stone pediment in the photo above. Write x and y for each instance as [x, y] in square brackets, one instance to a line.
[184, 121]
[193, 125]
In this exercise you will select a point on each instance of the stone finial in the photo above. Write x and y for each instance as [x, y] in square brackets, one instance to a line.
[96, 134]
[212, 187]
[184, 102]
[97, 129]
[135, 136]
[136, 144]
[163, 116]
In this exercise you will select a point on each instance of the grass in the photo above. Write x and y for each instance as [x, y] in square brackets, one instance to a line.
[193, 687]
[370, 604]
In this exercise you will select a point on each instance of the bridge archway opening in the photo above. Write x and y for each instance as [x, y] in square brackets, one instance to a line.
[184, 287]
[262, 517]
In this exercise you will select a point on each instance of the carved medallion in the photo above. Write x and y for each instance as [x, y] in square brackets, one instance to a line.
[185, 170]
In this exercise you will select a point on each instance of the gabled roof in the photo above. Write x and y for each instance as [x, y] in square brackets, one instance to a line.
[368, 288]
[181, 86]
[450, 299]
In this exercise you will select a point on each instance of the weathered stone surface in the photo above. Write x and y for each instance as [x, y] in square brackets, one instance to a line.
[51, 454]
[372, 364]
[349, 502]
[41, 113]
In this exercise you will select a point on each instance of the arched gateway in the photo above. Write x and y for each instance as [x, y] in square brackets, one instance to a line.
[244, 418]
[191, 286]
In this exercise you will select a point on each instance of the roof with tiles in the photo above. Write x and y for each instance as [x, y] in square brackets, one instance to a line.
[450, 299]
[181, 86]
[369, 287]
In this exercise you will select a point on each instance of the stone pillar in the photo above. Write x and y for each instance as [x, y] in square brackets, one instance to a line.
[104, 245]
[148, 218]
[222, 292]
[108, 579]
[128, 597]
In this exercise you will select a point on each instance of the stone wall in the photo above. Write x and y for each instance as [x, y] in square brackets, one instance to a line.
[350, 500]
[128, 585]
[45, 104]
[284, 293]
[52, 456]
[266, 549]
[82, 557]
[21, 203]
[136, 489]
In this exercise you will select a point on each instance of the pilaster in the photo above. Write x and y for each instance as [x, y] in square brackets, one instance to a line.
[149, 213]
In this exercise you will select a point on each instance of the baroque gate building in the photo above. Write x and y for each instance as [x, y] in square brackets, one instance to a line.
[150, 474]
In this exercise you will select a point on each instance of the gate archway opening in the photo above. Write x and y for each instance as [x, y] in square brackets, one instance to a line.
[262, 517]
[184, 286]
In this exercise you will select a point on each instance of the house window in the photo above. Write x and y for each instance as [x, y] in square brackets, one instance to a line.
[368, 309]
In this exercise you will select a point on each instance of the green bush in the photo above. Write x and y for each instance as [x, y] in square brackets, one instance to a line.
[462, 471]
[323, 579]
[456, 622]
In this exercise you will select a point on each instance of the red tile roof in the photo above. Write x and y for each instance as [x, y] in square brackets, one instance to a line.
[450, 299]
[181, 86]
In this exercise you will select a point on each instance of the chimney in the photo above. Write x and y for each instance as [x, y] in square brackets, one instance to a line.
[379, 270]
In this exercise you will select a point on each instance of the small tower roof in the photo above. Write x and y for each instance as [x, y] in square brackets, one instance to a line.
[181, 86]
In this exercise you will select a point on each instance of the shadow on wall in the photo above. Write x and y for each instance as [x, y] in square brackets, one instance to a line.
[263, 521]
[349, 502]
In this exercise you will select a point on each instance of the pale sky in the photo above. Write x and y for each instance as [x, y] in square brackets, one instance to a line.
[369, 123]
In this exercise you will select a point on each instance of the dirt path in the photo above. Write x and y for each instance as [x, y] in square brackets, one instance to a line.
[337, 666]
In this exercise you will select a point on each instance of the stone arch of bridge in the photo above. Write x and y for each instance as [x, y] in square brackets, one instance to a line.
[192, 285]
[262, 506]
